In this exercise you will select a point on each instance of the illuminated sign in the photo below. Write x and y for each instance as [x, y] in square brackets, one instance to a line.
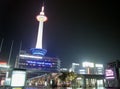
[18, 78]
[3, 63]
[82, 71]
[4, 66]
[109, 73]
[37, 51]
[30, 56]
[40, 63]
[99, 65]
[88, 64]
[17, 88]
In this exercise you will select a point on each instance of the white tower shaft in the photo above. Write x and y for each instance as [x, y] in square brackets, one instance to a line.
[40, 35]
[41, 18]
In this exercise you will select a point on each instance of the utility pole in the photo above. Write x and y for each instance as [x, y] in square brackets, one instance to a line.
[10, 52]
[1, 45]
[17, 58]
[7, 73]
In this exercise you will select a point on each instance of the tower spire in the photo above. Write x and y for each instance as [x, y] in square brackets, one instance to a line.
[42, 11]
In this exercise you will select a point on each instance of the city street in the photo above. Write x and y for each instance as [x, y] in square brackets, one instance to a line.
[58, 88]
[72, 88]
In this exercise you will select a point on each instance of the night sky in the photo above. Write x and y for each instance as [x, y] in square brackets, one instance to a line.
[76, 30]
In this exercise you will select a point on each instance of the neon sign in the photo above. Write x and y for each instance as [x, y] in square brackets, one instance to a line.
[109, 73]
[41, 63]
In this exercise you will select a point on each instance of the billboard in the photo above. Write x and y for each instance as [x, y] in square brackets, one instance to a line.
[18, 78]
[110, 73]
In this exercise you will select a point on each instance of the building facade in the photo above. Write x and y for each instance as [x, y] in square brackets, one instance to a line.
[37, 63]
[112, 74]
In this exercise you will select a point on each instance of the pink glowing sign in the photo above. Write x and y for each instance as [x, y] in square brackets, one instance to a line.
[109, 73]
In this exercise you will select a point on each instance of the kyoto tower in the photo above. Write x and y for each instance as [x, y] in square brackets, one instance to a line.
[38, 50]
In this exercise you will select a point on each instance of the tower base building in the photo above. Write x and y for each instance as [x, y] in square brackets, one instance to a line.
[37, 63]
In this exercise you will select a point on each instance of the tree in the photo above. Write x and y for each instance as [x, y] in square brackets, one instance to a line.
[68, 77]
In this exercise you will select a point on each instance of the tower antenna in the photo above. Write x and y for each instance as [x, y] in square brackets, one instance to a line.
[1, 45]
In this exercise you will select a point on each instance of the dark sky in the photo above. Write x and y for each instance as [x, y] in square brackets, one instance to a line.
[76, 30]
